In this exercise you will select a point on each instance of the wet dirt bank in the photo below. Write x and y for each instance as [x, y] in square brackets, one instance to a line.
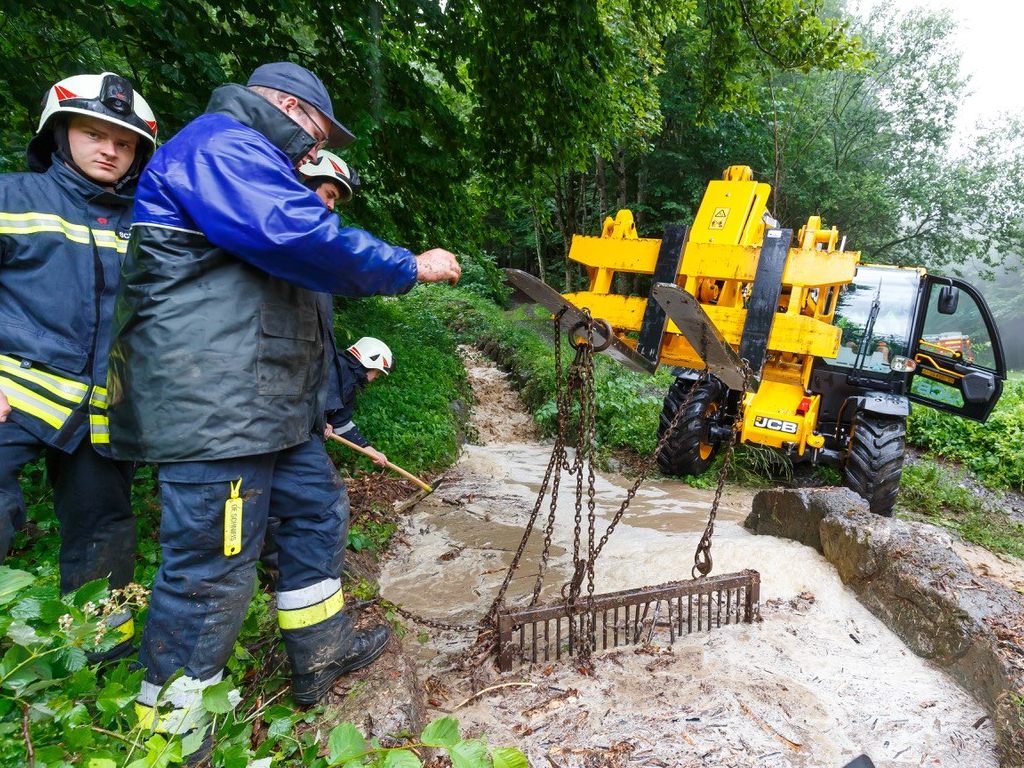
[817, 682]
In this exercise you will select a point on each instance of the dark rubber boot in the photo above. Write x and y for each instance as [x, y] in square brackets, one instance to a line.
[122, 650]
[367, 646]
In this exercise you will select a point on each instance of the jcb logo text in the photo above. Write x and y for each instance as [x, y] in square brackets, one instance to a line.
[776, 425]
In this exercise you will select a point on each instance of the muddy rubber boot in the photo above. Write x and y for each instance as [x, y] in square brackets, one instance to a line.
[367, 646]
[203, 756]
[122, 650]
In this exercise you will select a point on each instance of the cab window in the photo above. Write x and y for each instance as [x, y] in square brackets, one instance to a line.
[961, 336]
[896, 291]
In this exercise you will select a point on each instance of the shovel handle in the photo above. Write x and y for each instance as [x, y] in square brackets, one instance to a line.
[393, 467]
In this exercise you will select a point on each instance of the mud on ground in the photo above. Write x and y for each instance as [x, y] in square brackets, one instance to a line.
[814, 684]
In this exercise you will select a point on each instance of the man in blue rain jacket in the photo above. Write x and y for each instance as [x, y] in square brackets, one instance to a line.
[218, 374]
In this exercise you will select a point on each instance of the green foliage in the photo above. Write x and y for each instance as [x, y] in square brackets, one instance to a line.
[74, 711]
[887, 172]
[991, 450]
[943, 496]
[388, 67]
[629, 406]
[45, 682]
[758, 465]
[349, 748]
[370, 535]
[408, 414]
[628, 403]
[481, 276]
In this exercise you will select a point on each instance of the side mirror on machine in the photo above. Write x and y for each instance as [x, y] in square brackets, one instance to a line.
[949, 296]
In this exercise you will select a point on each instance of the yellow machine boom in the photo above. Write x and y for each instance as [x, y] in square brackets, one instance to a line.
[718, 267]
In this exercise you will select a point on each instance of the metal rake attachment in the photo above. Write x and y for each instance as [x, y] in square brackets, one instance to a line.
[630, 617]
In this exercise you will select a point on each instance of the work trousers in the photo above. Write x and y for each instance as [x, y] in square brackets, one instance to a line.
[201, 595]
[92, 502]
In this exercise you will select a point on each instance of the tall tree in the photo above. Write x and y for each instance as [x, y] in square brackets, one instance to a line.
[873, 150]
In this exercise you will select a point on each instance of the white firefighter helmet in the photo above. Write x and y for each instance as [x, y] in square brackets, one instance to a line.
[330, 167]
[374, 354]
[107, 97]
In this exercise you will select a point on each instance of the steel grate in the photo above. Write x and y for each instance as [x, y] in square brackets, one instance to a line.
[631, 617]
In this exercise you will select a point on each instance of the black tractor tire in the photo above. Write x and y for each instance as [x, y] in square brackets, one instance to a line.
[874, 464]
[685, 452]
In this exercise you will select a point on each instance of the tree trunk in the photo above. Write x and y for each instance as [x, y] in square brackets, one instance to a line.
[561, 213]
[620, 172]
[602, 190]
[377, 89]
[540, 250]
[641, 191]
[569, 223]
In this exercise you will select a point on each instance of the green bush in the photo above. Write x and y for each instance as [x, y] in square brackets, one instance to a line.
[628, 403]
[72, 714]
[942, 495]
[991, 450]
[407, 415]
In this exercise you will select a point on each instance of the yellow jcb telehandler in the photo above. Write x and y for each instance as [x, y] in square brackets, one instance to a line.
[825, 354]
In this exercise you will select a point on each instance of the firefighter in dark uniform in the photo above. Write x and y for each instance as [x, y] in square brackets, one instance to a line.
[217, 373]
[335, 181]
[63, 233]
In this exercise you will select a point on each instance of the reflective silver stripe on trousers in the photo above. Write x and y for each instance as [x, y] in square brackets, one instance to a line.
[182, 693]
[311, 595]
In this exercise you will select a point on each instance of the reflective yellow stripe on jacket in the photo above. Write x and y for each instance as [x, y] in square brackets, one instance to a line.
[34, 222]
[44, 395]
[99, 424]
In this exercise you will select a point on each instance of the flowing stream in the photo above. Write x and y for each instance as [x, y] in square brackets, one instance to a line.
[817, 682]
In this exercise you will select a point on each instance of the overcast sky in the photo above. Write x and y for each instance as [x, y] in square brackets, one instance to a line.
[991, 36]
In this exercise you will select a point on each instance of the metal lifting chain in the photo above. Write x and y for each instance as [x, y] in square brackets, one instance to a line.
[702, 562]
[579, 387]
[557, 460]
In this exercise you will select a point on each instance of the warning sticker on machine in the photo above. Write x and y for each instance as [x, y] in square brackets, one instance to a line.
[718, 218]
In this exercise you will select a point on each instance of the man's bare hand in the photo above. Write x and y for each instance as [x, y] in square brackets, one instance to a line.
[437, 265]
[376, 456]
[5, 407]
[328, 430]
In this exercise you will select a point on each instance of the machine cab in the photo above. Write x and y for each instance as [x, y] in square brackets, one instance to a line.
[931, 337]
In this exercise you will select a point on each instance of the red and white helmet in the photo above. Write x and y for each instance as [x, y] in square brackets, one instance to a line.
[107, 97]
[373, 353]
[330, 167]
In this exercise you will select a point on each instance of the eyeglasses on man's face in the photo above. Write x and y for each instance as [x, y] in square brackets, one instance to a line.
[320, 136]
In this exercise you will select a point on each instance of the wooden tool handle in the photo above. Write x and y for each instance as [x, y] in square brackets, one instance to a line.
[393, 467]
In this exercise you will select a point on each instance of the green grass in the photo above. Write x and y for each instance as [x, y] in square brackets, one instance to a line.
[994, 451]
[940, 495]
[628, 403]
[407, 415]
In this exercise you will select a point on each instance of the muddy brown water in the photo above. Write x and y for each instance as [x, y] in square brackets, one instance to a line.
[818, 681]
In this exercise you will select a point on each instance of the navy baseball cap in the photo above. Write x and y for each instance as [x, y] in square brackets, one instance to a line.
[303, 84]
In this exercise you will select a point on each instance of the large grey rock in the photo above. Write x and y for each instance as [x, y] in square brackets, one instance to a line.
[909, 576]
[797, 514]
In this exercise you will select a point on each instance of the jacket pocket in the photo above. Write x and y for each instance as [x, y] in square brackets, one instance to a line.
[288, 347]
[41, 346]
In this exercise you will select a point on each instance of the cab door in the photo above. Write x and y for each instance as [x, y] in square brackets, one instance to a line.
[960, 364]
